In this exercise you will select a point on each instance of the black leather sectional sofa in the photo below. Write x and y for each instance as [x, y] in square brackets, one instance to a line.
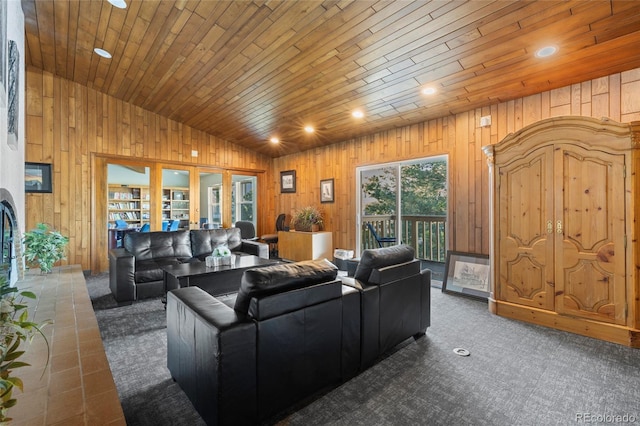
[135, 270]
[291, 331]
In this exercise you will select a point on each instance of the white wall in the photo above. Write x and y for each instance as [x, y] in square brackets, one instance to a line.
[12, 160]
[12, 157]
[117, 174]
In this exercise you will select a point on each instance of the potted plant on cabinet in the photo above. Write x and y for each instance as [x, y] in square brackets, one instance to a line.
[44, 247]
[309, 219]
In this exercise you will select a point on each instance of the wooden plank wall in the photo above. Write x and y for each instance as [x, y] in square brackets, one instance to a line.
[67, 124]
[77, 128]
[461, 138]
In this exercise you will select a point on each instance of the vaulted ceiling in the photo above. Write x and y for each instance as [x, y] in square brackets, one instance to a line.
[247, 70]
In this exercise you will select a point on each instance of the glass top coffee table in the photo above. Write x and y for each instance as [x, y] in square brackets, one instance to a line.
[214, 280]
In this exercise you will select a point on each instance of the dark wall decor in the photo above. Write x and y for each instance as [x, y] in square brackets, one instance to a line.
[37, 177]
[13, 95]
[288, 181]
[326, 191]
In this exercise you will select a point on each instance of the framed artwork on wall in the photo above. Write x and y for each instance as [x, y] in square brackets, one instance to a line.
[13, 94]
[288, 181]
[37, 177]
[467, 274]
[326, 191]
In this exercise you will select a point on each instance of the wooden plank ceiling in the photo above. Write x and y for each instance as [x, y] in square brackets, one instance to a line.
[249, 70]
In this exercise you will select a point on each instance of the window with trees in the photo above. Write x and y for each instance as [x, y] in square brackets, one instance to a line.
[405, 202]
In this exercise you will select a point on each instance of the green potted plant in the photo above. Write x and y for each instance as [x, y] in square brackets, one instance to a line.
[308, 219]
[44, 247]
[15, 329]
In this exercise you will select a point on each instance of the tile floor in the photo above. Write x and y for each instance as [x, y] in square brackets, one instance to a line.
[76, 386]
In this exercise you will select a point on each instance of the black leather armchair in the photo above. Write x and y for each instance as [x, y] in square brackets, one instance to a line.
[395, 299]
[282, 338]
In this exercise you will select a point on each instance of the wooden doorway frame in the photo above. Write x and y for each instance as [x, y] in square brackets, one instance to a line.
[99, 261]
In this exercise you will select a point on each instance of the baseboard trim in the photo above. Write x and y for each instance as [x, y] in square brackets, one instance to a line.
[608, 332]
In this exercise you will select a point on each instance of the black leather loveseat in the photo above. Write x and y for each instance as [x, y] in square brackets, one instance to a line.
[135, 270]
[395, 299]
[291, 331]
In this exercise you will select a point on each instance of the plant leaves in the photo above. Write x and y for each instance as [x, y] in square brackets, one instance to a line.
[29, 294]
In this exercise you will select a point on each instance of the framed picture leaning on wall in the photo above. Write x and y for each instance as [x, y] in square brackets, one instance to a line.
[467, 274]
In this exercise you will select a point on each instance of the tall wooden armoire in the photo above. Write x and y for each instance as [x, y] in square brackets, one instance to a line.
[564, 246]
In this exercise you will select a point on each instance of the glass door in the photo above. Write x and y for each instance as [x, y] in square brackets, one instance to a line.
[176, 199]
[128, 196]
[424, 207]
[211, 200]
[404, 202]
[378, 206]
[243, 198]
[128, 201]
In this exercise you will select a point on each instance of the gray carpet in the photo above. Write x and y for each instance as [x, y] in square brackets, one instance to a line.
[135, 341]
[517, 374]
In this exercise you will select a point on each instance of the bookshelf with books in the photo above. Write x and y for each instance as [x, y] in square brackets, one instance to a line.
[128, 203]
[175, 205]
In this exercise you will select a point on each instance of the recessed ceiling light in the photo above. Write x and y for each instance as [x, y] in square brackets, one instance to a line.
[308, 129]
[102, 53]
[429, 91]
[357, 114]
[120, 4]
[546, 51]
[274, 140]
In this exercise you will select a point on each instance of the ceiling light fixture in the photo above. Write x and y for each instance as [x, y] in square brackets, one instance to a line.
[429, 91]
[357, 114]
[274, 140]
[546, 51]
[102, 53]
[120, 4]
[308, 129]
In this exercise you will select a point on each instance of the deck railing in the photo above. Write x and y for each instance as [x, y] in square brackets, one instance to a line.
[427, 234]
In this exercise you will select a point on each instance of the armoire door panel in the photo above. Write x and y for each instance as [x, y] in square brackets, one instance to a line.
[588, 292]
[524, 197]
[525, 281]
[591, 261]
[525, 244]
[586, 198]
